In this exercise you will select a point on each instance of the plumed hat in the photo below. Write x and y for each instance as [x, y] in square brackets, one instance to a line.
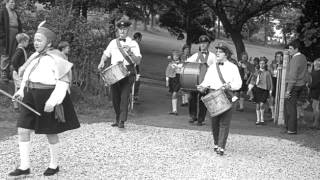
[44, 30]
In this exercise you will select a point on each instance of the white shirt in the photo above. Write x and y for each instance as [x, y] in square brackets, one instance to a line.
[113, 52]
[44, 72]
[230, 74]
[211, 59]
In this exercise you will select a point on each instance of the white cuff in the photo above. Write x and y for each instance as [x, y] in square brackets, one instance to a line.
[58, 93]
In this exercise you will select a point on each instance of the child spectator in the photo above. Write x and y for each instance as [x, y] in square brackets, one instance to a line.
[262, 82]
[173, 79]
[64, 47]
[18, 59]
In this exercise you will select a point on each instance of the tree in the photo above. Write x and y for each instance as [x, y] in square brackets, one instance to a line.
[187, 16]
[309, 29]
[234, 14]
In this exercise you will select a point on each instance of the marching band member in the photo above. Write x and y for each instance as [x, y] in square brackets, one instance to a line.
[229, 73]
[122, 49]
[138, 38]
[173, 79]
[44, 87]
[208, 58]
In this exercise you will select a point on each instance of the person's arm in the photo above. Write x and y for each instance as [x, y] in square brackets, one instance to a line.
[236, 82]
[105, 57]
[17, 59]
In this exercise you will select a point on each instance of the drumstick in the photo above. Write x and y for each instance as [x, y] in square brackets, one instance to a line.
[23, 104]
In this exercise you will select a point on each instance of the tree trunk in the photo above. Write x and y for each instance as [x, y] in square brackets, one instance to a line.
[135, 25]
[218, 36]
[152, 21]
[145, 23]
[238, 42]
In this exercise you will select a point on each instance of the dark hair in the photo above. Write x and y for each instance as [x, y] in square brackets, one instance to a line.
[256, 60]
[62, 45]
[295, 44]
[137, 35]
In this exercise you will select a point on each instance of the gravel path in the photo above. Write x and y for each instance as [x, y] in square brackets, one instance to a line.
[98, 151]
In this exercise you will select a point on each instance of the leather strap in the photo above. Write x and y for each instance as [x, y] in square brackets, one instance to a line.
[220, 75]
[126, 57]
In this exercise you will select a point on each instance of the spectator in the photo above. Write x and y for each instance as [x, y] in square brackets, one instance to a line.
[295, 84]
[273, 68]
[64, 47]
[263, 86]
[10, 26]
[315, 93]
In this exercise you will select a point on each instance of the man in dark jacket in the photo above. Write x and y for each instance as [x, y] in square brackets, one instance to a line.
[295, 84]
[10, 26]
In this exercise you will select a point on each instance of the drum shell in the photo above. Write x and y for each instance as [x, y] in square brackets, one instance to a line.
[216, 102]
[114, 73]
[192, 74]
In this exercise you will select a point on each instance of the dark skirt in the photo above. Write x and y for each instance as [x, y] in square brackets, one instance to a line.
[46, 123]
[260, 95]
[174, 84]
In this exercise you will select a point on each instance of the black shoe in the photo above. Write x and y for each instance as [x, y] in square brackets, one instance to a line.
[51, 172]
[192, 120]
[19, 172]
[215, 149]
[240, 110]
[221, 153]
[173, 113]
[121, 124]
[199, 123]
[115, 124]
[292, 132]
[184, 105]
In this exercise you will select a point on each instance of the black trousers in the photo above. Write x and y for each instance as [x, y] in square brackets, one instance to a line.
[120, 92]
[290, 108]
[220, 128]
[194, 112]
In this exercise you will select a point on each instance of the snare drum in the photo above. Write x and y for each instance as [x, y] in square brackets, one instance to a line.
[114, 73]
[192, 74]
[216, 102]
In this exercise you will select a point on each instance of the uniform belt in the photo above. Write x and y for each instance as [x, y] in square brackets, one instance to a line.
[37, 85]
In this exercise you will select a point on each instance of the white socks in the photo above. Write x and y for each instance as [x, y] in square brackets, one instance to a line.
[24, 148]
[272, 112]
[241, 103]
[258, 115]
[262, 115]
[174, 105]
[54, 155]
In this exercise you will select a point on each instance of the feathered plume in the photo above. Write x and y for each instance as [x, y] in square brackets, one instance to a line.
[42, 23]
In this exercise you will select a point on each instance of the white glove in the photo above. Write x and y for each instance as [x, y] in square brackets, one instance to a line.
[19, 94]
[56, 96]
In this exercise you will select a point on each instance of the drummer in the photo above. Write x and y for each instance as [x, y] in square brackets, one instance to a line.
[121, 90]
[208, 58]
[212, 81]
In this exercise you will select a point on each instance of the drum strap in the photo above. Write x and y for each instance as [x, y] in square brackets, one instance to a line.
[228, 92]
[220, 75]
[125, 55]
